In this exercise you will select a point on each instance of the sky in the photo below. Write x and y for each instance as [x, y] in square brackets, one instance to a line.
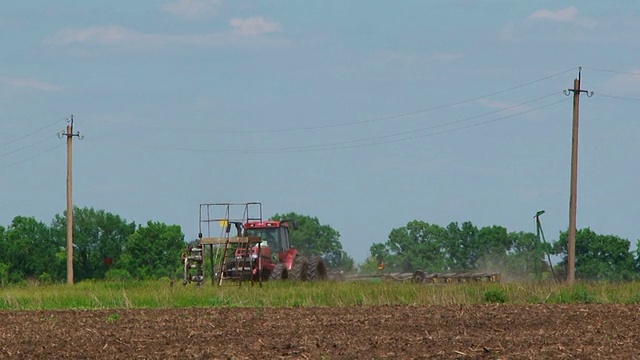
[364, 114]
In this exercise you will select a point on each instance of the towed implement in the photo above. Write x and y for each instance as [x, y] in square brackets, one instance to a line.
[436, 278]
[261, 249]
[421, 277]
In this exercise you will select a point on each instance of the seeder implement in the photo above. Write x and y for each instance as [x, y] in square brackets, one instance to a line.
[421, 277]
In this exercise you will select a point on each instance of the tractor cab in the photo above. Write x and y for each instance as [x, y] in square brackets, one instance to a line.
[275, 244]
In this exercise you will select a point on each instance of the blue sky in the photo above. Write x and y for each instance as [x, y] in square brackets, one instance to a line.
[366, 114]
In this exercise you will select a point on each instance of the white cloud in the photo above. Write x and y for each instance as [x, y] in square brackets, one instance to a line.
[568, 15]
[192, 9]
[29, 83]
[252, 26]
[533, 24]
[97, 35]
[120, 36]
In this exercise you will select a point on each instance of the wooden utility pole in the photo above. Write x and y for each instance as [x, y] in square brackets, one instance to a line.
[69, 134]
[573, 197]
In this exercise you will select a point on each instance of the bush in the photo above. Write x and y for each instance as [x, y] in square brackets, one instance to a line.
[45, 278]
[576, 295]
[117, 275]
[497, 296]
[4, 274]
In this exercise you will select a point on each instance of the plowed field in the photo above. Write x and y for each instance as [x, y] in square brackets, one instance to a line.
[459, 332]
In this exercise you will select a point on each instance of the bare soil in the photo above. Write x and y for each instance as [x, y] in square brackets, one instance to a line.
[386, 332]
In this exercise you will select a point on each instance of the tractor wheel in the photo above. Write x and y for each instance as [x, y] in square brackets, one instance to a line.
[418, 277]
[317, 271]
[300, 269]
[279, 273]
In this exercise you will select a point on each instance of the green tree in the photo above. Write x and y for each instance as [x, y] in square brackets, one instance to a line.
[313, 238]
[30, 250]
[379, 256]
[3, 244]
[417, 246]
[153, 251]
[429, 247]
[344, 262]
[370, 266]
[492, 246]
[599, 257]
[98, 239]
[524, 260]
[469, 248]
[637, 255]
[4, 273]
[379, 251]
[461, 246]
[4, 266]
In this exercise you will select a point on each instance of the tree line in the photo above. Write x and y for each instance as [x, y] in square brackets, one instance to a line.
[107, 246]
[518, 255]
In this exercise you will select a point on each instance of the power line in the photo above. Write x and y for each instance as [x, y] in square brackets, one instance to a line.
[32, 157]
[612, 71]
[397, 116]
[378, 119]
[619, 97]
[24, 147]
[444, 131]
[371, 141]
[32, 133]
[421, 129]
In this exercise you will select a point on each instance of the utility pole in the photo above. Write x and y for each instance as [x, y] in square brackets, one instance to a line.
[573, 197]
[539, 257]
[69, 135]
[541, 239]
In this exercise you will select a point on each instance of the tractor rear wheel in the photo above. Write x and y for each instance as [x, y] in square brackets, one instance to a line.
[300, 268]
[279, 273]
[317, 271]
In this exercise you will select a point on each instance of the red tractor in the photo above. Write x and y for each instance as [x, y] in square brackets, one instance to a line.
[279, 260]
[260, 250]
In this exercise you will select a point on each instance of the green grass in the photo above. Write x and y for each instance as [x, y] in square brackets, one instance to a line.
[158, 294]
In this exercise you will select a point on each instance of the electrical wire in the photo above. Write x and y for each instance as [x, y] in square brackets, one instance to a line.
[402, 115]
[425, 128]
[32, 133]
[32, 157]
[350, 146]
[375, 140]
[613, 71]
[619, 97]
[24, 147]
[373, 120]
